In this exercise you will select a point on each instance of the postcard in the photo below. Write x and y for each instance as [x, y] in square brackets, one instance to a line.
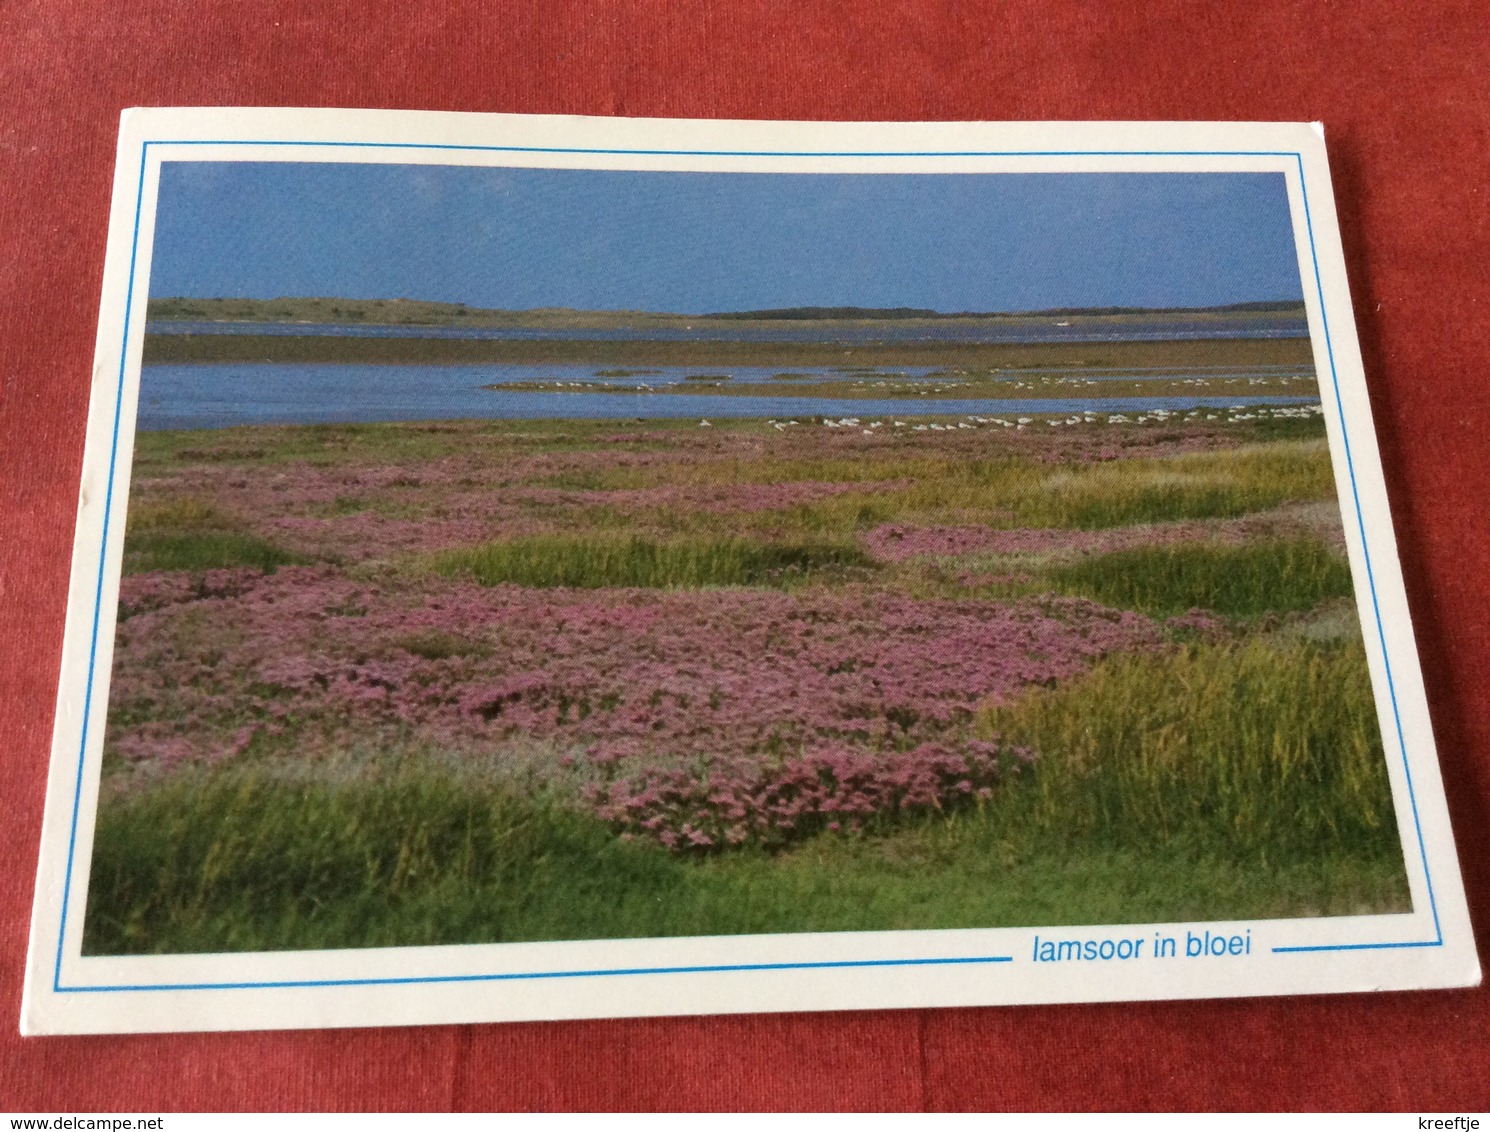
[537, 568]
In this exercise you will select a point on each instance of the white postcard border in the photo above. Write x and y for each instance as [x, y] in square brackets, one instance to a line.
[66, 992]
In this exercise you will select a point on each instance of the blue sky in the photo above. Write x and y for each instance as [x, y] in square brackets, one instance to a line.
[697, 242]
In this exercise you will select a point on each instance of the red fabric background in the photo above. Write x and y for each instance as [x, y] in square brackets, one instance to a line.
[1401, 89]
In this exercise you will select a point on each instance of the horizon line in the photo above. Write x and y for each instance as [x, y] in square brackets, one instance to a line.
[801, 312]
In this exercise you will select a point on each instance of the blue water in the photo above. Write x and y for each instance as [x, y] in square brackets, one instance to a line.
[219, 396]
[1051, 330]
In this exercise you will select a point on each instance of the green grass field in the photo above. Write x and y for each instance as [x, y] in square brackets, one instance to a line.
[594, 562]
[1229, 782]
[1274, 576]
[1232, 770]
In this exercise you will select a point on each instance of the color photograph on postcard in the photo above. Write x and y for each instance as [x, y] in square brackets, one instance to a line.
[530, 554]
[544, 578]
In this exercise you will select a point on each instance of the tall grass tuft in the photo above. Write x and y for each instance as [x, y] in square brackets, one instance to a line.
[1014, 492]
[410, 851]
[384, 852]
[1195, 486]
[1256, 748]
[201, 550]
[599, 561]
[1280, 576]
[194, 534]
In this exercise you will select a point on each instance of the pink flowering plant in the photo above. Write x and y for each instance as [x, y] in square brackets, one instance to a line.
[461, 681]
[726, 710]
[716, 803]
[820, 703]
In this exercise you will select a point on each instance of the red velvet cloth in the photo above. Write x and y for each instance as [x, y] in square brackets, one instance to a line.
[1401, 89]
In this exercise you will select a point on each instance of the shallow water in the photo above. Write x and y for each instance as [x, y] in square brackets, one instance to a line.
[219, 396]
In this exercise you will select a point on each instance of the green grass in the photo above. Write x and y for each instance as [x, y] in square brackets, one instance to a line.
[186, 533]
[397, 852]
[333, 445]
[1016, 492]
[1276, 576]
[201, 550]
[598, 561]
[1211, 782]
[1200, 486]
[181, 512]
[227, 860]
[1215, 782]
[1268, 748]
[1287, 428]
[999, 492]
[328, 445]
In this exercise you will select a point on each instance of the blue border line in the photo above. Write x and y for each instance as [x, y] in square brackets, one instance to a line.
[577, 974]
[1386, 659]
[108, 507]
[750, 152]
[72, 833]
